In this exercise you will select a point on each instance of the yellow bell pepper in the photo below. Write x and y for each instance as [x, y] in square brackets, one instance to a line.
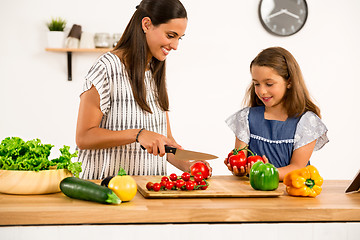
[124, 186]
[303, 182]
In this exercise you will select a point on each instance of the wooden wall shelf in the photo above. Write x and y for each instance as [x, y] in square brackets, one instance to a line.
[69, 52]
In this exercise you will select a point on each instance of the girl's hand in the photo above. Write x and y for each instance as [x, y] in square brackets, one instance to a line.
[155, 143]
[249, 165]
[235, 171]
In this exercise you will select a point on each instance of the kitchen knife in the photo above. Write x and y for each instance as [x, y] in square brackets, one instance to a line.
[355, 184]
[187, 155]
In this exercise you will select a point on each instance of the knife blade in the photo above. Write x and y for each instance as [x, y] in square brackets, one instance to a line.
[187, 154]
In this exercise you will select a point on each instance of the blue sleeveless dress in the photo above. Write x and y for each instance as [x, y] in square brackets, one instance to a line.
[277, 140]
[274, 139]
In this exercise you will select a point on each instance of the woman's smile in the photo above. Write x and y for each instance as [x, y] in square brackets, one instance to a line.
[165, 51]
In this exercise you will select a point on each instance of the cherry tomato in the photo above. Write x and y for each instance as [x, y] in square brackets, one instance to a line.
[203, 183]
[200, 167]
[180, 183]
[173, 177]
[189, 185]
[169, 185]
[185, 176]
[156, 187]
[149, 186]
[163, 183]
[165, 179]
[198, 177]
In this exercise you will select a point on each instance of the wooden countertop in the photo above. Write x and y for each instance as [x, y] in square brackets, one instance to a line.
[331, 205]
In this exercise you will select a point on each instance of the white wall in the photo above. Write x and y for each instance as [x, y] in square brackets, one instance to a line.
[207, 76]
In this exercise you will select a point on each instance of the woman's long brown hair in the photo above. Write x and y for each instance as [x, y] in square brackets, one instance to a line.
[297, 98]
[132, 49]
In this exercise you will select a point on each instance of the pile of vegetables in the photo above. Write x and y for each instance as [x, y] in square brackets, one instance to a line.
[113, 189]
[32, 155]
[183, 182]
[195, 180]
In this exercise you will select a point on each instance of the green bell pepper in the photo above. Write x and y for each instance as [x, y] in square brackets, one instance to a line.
[264, 176]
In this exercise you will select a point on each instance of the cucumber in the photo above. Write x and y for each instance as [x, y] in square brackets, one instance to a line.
[77, 188]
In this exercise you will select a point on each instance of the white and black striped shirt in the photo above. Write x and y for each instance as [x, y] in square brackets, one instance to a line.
[121, 112]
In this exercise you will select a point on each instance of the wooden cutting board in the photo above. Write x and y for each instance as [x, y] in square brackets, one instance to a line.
[219, 186]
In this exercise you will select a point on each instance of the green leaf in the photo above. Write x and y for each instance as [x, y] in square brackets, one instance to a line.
[122, 172]
[57, 24]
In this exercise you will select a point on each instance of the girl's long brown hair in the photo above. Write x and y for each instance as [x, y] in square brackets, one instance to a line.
[132, 49]
[297, 98]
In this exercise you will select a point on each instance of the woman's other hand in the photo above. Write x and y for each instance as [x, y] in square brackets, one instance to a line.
[207, 164]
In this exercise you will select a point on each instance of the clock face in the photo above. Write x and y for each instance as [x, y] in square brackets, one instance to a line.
[283, 17]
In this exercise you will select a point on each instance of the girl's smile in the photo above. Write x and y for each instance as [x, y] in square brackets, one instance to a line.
[266, 99]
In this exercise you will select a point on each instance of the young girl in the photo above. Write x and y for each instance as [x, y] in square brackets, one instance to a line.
[281, 122]
[124, 102]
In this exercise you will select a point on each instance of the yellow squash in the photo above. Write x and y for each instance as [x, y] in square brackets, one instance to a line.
[123, 186]
[304, 182]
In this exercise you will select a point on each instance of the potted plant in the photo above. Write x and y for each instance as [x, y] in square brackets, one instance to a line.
[56, 35]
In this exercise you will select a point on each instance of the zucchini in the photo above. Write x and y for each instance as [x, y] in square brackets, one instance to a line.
[77, 188]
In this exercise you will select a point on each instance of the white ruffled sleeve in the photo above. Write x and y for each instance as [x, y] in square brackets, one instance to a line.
[98, 77]
[310, 128]
[239, 124]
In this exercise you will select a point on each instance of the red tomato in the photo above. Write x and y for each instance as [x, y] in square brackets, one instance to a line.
[254, 159]
[189, 185]
[185, 176]
[203, 183]
[229, 155]
[198, 177]
[163, 183]
[149, 186]
[238, 160]
[180, 183]
[200, 167]
[156, 187]
[165, 179]
[173, 177]
[169, 185]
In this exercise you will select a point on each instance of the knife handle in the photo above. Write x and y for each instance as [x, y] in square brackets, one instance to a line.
[168, 149]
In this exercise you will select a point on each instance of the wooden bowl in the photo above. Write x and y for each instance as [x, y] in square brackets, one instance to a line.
[32, 182]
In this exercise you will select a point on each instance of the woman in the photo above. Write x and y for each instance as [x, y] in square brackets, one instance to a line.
[124, 103]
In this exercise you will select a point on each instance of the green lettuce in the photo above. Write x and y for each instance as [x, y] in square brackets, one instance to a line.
[32, 155]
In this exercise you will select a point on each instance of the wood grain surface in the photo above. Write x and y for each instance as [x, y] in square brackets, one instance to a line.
[227, 186]
[332, 205]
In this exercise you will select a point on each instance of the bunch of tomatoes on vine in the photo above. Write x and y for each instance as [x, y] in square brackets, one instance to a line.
[195, 180]
[237, 157]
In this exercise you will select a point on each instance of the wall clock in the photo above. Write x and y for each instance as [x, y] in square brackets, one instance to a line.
[283, 17]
